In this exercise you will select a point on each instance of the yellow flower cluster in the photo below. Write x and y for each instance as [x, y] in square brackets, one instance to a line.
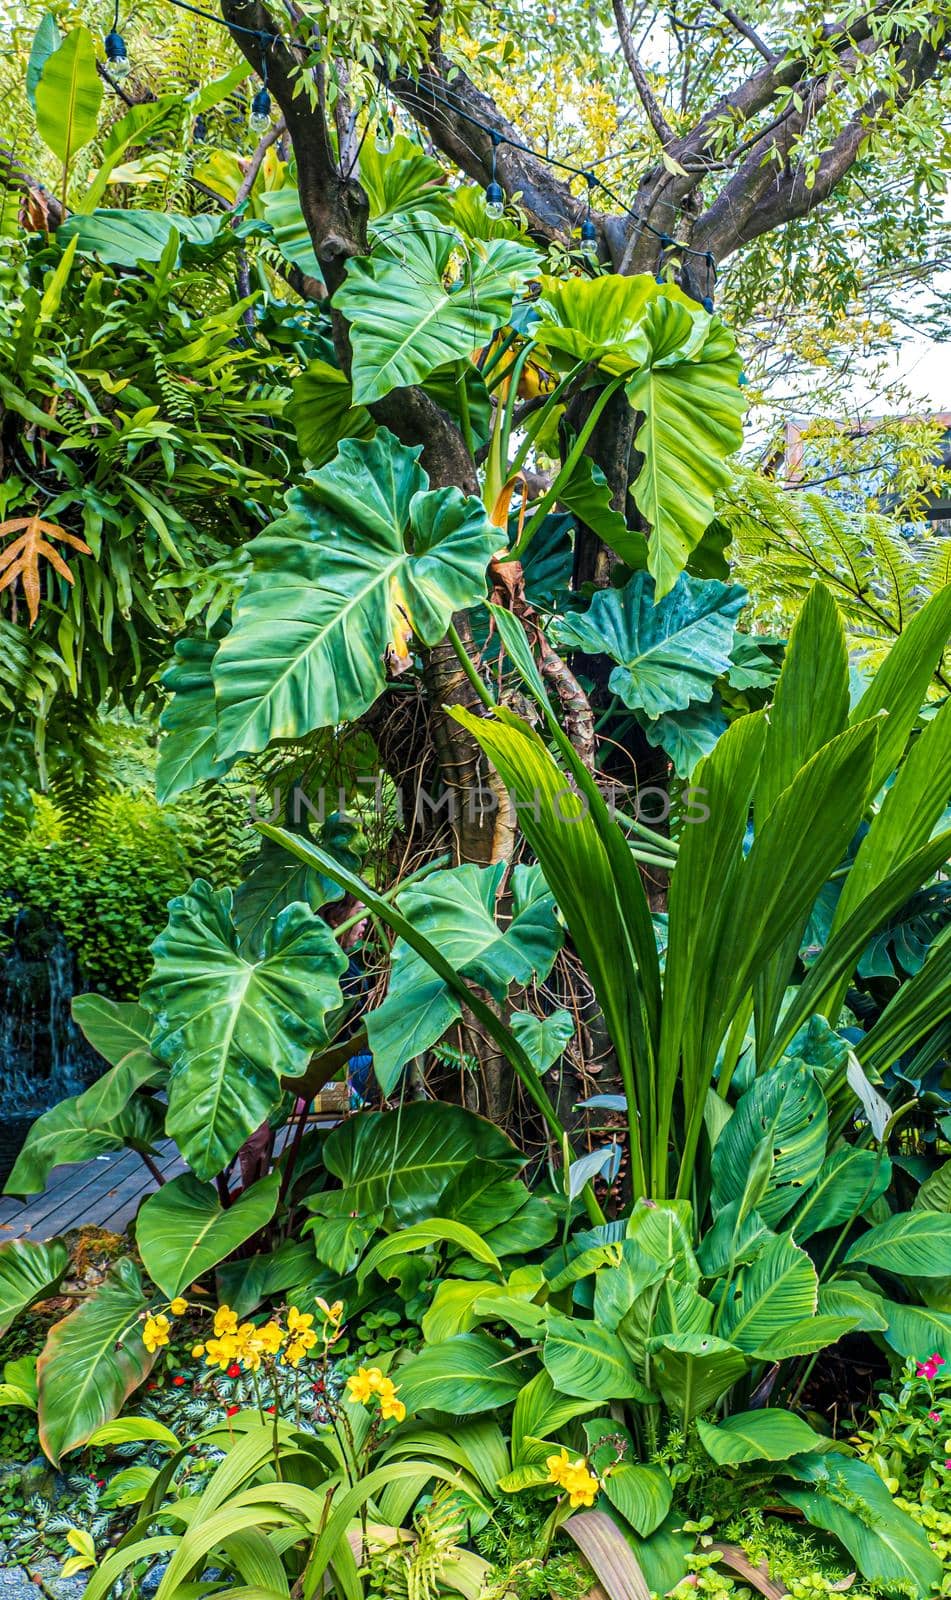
[369, 1381]
[575, 1476]
[246, 1344]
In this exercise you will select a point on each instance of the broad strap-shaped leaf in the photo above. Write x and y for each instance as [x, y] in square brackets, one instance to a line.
[693, 410]
[847, 1183]
[778, 1288]
[788, 1106]
[456, 909]
[848, 1498]
[91, 1362]
[364, 561]
[425, 299]
[912, 1330]
[669, 651]
[67, 96]
[472, 1373]
[901, 683]
[642, 1494]
[768, 1435]
[589, 1361]
[693, 1370]
[913, 1244]
[189, 722]
[229, 1026]
[405, 1159]
[182, 1230]
[28, 1271]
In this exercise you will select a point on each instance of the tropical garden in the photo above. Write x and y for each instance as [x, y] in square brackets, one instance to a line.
[482, 800]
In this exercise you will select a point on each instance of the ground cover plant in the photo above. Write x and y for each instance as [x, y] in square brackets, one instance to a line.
[382, 472]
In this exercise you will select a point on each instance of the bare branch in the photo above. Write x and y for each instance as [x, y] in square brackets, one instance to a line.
[648, 99]
[254, 165]
[744, 28]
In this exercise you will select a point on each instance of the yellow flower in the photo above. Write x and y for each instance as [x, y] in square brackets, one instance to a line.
[332, 1314]
[271, 1337]
[248, 1346]
[178, 1306]
[155, 1333]
[221, 1352]
[574, 1476]
[557, 1466]
[225, 1321]
[366, 1381]
[390, 1406]
[299, 1321]
[198, 1351]
[294, 1352]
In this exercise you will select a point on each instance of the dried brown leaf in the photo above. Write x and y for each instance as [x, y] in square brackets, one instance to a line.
[21, 559]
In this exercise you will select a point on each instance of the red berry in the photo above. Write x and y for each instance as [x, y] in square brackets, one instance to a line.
[178, 1382]
[269, 1408]
[234, 1371]
[318, 1386]
[230, 1410]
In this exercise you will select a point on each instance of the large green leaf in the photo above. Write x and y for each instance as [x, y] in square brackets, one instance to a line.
[540, 1411]
[901, 683]
[457, 910]
[427, 299]
[323, 412]
[642, 1494]
[848, 1498]
[275, 879]
[282, 212]
[589, 1361]
[405, 1159]
[68, 95]
[693, 409]
[768, 1435]
[843, 1298]
[401, 180]
[787, 1105]
[27, 1272]
[601, 320]
[183, 1230]
[139, 124]
[231, 1027]
[669, 653]
[914, 1244]
[847, 1183]
[364, 560]
[126, 238]
[91, 1362]
[693, 1370]
[46, 39]
[917, 1330]
[464, 1376]
[777, 1289]
[424, 1235]
[687, 736]
[189, 722]
[64, 1134]
[113, 1027]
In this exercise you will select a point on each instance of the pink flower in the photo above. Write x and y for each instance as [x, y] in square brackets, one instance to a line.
[929, 1369]
[935, 1416]
[947, 1465]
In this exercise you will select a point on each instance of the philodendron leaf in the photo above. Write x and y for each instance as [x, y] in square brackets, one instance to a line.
[365, 561]
[456, 910]
[27, 1272]
[231, 1026]
[543, 1038]
[693, 409]
[182, 1230]
[276, 879]
[323, 412]
[68, 95]
[91, 1362]
[768, 1435]
[669, 651]
[425, 299]
[65, 1133]
[189, 722]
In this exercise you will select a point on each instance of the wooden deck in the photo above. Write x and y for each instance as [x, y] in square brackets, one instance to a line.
[103, 1193]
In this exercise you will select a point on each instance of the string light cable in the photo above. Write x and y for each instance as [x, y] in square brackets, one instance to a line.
[494, 194]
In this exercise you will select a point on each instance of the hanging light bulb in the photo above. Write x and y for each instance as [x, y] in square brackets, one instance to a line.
[383, 136]
[589, 240]
[707, 303]
[494, 200]
[117, 56]
[260, 118]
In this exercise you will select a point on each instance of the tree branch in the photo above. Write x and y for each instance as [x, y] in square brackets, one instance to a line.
[648, 99]
[744, 28]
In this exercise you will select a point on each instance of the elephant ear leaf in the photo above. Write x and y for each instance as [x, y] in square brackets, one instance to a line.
[364, 561]
[426, 299]
[189, 722]
[230, 1025]
[183, 1230]
[693, 408]
[669, 652]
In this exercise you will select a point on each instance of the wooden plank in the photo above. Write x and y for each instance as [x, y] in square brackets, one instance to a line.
[69, 1182]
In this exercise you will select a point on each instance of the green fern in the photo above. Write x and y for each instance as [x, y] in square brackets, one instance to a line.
[879, 573]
